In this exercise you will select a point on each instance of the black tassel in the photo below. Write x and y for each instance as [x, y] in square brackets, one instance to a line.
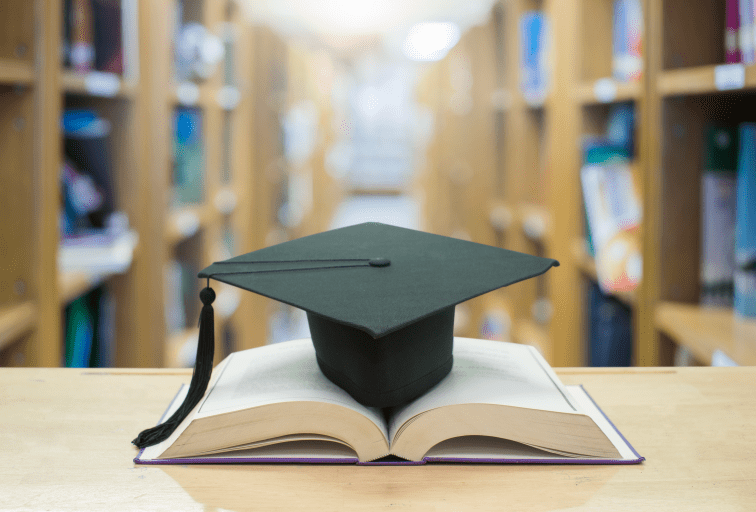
[203, 367]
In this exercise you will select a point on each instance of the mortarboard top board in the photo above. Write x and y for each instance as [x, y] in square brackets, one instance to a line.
[379, 300]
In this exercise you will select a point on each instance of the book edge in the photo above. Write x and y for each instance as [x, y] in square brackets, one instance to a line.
[425, 460]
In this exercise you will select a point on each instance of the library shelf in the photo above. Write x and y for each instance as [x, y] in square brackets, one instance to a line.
[535, 222]
[587, 265]
[184, 222]
[706, 79]
[180, 346]
[527, 332]
[15, 321]
[705, 330]
[607, 90]
[97, 84]
[16, 72]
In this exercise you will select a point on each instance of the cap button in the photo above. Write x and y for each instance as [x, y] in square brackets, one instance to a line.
[379, 262]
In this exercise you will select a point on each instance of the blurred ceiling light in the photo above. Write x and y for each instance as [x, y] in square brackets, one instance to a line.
[430, 41]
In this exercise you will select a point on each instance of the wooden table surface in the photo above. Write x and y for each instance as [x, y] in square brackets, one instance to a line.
[65, 436]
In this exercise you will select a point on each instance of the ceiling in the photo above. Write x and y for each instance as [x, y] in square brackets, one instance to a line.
[351, 27]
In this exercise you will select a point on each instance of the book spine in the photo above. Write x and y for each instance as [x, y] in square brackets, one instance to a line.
[745, 234]
[610, 330]
[107, 36]
[718, 199]
[82, 40]
[745, 34]
[732, 29]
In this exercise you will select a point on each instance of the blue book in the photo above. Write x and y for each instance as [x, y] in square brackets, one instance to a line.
[611, 330]
[745, 229]
[188, 156]
[533, 56]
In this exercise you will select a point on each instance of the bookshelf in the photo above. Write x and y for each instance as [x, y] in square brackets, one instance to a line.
[684, 86]
[37, 87]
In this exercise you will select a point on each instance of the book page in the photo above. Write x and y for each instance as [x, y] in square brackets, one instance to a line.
[492, 372]
[285, 372]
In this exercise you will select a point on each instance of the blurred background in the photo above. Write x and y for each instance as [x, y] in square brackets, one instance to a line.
[141, 140]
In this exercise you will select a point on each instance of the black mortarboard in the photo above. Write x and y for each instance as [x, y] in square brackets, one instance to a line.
[379, 300]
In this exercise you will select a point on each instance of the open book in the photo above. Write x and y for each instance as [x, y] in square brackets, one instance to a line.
[500, 403]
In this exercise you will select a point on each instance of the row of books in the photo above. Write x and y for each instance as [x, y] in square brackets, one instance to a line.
[89, 327]
[92, 35]
[740, 36]
[627, 57]
[728, 218]
[612, 204]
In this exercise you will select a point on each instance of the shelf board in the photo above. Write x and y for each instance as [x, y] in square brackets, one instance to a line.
[535, 222]
[96, 84]
[75, 284]
[587, 266]
[186, 221]
[699, 80]
[13, 72]
[15, 321]
[705, 330]
[527, 332]
[607, 90]
[175, 345]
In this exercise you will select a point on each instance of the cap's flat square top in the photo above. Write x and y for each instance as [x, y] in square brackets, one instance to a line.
[329, 274]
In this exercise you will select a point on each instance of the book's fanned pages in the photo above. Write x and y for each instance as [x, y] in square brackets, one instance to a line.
[313, 449]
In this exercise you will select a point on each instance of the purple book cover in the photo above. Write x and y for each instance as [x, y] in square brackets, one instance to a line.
[732, 48]
[635, 458]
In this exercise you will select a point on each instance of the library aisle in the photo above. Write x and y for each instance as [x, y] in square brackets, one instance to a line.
[142, 141]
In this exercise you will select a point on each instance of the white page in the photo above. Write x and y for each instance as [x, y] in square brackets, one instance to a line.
[492, 372]
[285, 372]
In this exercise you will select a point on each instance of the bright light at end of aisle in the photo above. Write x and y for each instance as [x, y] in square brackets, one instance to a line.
[430, 41]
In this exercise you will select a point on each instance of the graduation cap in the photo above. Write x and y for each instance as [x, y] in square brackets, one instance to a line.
[379, 300]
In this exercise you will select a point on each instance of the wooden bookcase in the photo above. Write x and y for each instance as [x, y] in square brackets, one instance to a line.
[244, 173]
[535, 202]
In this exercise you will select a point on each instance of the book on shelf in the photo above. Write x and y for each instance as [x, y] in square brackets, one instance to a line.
[99, 251]
[188, 156]
[745, 230]
[89, 327]
[92, 35]
[732, 31]
[611, 330]
[500, 403]
[745, 39]
[108, 40]
[718, 194]
[534, 48]
[627, 27]
[613, 214]
[89, 196]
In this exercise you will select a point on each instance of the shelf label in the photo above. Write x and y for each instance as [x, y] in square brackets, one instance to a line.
[605, 90]
[187, 223]
[102, 84]
[228, 97]
[729, 76]
[187, 93]
[534, 227]
[225, 201]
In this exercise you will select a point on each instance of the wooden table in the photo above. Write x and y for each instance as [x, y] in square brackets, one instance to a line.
[65, 439]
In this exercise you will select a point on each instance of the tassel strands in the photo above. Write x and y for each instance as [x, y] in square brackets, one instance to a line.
[200, 378]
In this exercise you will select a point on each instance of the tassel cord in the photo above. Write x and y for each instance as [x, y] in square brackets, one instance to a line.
[200, 377]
